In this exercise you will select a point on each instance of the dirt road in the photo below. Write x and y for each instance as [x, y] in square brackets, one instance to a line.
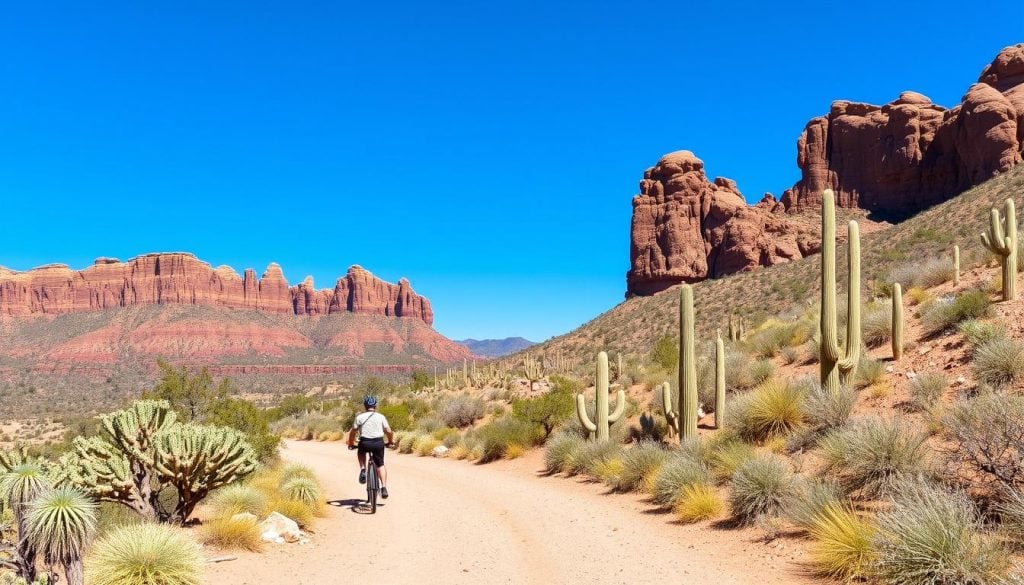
[453, 522]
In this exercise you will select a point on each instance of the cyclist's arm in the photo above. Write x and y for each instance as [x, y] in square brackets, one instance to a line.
[352, 438]
[390, 435]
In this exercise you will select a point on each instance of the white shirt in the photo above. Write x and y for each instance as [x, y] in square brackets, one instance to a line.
[371, 425]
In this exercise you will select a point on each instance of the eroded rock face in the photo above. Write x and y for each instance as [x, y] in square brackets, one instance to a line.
[895, 160]
[907, 155]
[686, 228]
[179, 278]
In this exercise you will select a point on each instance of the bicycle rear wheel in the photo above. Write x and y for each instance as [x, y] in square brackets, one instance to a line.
[372, 486]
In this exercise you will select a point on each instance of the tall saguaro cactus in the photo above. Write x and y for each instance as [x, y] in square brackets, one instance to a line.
[687, 366]
[838, 365]
[719, 382]
[603, 419]
[671, 416]
[1001, 240]
[897, 321]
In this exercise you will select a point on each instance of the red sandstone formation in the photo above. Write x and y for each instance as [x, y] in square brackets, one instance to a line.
[895, 159]
[686, 229]
[184, 279]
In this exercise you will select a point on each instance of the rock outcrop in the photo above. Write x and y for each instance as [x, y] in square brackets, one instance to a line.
[179, 278]
[910, 154]
[892, 160]
[686, 228]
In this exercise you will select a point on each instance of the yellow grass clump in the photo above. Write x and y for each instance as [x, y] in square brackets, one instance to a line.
[698, 502]
[514, 451]
[842, 543]
[233, 533]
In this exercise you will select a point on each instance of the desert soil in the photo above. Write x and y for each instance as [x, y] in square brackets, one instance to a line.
[455, 522]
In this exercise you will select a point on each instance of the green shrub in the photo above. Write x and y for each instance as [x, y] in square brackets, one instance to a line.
[869, 371]
[547, 410]
[981, 332]
[237, 498]
[144, 554]
[869, 456]
[946, 313]
[760, 487]
[398, 415]
[930, 535]
[592, 455]
[761, 371]
[772, 409]
[676, 472]
[809, 500]
[560, 451]
[496, 436]
[665, 353]
[638, 462]
[999, 362]
[927, 389]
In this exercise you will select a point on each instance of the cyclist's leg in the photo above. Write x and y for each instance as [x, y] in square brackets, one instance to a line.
[378, 458]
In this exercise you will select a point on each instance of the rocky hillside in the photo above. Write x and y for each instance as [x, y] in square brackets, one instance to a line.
[892, 160]
[633, 326]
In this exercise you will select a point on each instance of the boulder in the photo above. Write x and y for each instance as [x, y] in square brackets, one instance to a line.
[440, 451]
[278, 528]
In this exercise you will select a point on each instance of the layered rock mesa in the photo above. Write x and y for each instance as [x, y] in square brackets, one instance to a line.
[894, 160]
[180, 278]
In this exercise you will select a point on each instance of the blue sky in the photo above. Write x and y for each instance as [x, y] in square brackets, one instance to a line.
[488, 151]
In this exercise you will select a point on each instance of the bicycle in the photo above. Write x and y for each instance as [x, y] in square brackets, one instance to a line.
[372, 481]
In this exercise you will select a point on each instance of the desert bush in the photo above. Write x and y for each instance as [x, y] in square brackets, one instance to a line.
[987, 437]
[761, 371]
[697, 502]
[676, 472]
[760, 487]
[560, 451]
[398, 415]
[409, 443]
[825, 410]
[497, 435]
[869, 372]
[237, 498]
[999, 362]
[303, 489]
[230, 533]
[426, 445]
[638, 462]
[592, 455]
[842, 544]
[927, 389]
[869, 456]
[460, 411]
[946, 313]
[772, 409]
[144, 554]
[737, 369]
[768, 341]
[665, 353]
[930, 535]
[876, 324]
[727, 457]
[1011, 516]
[547, 410]
[978, 333]
[428, 424]
[916, 295]
[790, 355]
[290, 471]
[810, 498]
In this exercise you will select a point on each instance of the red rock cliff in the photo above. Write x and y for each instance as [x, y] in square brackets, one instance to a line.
[896, 159]
[184, 279]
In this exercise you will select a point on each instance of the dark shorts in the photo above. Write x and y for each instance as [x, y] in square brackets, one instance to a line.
[375, 447]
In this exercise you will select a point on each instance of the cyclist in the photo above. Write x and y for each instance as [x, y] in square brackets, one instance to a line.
[372, 427]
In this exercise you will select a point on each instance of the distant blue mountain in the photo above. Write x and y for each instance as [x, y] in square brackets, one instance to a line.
[496, 347]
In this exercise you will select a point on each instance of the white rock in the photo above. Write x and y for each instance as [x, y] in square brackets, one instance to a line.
[279, 528]
[440, 451]
[911, 375]
[960, 380]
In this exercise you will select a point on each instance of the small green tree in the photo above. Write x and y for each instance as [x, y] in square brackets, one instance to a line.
[397, 414]
[665, 353]
[246, 417]
[551, 409]
[192, 396]
[421, 380]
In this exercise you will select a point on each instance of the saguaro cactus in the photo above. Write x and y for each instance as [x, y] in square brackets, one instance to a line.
[671, 416]
[719, 382]
[1001, 240]
[897, 321]
[838, 365]
[687, 366]
[956, 265]
[599, 428]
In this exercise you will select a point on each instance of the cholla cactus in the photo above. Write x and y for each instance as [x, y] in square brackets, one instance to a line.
[148, 450]
[1001, 240]
[197, 459]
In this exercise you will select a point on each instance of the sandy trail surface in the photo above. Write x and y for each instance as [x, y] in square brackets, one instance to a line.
[455, 522]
